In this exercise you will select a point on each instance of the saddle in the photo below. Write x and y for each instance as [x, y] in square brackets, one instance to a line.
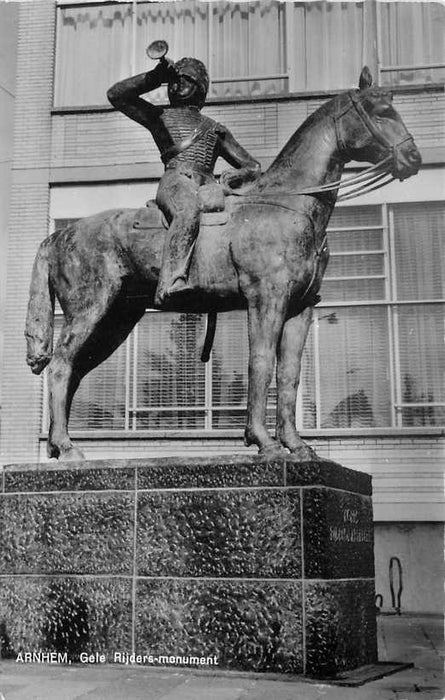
[149, 217]
[211, 201]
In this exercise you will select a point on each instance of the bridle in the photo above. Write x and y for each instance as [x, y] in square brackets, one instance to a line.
[379, 171]
[369, 124]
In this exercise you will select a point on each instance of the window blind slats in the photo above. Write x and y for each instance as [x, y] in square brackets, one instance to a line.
[422, 362]
[420, 250]
[354, 368]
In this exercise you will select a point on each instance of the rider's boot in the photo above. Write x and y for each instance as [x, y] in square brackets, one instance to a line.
[173, 286]
[169, 292]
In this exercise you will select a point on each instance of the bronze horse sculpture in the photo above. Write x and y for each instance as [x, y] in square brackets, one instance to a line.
[269, 258]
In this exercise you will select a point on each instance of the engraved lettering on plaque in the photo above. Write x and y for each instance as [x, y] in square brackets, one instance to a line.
[350, 530]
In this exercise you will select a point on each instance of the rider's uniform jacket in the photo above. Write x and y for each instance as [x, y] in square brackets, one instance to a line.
[182, 123]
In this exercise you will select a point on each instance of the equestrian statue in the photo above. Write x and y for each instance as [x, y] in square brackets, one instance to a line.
[252, 241]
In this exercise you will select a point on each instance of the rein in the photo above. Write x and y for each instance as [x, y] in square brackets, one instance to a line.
[366, 180]
[368, 177]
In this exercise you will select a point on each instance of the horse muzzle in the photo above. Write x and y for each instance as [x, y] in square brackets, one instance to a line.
[406, 160]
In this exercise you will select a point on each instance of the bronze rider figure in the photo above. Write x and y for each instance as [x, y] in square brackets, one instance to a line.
[189, 144]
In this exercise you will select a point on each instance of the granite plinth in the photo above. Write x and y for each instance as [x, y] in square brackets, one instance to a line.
[261, 565]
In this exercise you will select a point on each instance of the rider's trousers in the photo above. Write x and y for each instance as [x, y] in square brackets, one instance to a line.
[177, 197]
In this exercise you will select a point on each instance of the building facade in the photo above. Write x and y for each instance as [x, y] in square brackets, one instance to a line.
[373, 384]
[8, 30]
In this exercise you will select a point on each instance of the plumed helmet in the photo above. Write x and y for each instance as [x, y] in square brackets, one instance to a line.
[196, 70]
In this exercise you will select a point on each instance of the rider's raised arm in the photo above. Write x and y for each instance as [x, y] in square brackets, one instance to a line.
[247, 168]
[126, 95]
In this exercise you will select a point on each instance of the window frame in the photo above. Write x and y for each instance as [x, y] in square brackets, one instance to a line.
[383, 67]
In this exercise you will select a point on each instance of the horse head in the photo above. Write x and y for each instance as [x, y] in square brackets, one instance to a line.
[370, 129]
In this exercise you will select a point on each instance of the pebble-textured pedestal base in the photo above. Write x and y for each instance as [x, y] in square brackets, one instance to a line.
[246, 563]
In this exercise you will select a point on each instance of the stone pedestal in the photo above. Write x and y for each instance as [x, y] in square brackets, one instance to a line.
[258, 565]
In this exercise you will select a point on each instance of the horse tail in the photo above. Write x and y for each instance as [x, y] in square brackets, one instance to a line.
[40, 317]
[210, 336]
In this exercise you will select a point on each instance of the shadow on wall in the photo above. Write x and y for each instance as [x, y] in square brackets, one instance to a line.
[395, 576]
[354, 411]
[418, 548]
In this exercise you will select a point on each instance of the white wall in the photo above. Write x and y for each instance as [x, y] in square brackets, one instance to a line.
[427, 186]
[75, 201]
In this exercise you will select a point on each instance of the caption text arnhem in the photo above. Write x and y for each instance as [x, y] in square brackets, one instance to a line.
[118, 657]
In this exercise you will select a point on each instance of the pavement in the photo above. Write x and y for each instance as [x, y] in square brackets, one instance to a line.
[405, 638]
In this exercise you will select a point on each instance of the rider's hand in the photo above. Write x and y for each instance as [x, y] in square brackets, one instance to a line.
[240, 180]
[168, 68]
[163, 71]
[230, 179]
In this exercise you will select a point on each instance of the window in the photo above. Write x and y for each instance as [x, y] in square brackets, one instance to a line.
[328, 43]
[412, 47]
[351, 341]
[419, 275]
[242, 44]
[374, 357]
[169, 383]
[256, 48]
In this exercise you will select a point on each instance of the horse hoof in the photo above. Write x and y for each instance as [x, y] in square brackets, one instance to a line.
[272, 450]
[304, 453]
[73, 454]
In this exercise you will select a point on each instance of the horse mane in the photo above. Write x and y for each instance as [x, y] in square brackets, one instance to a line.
[326, 110]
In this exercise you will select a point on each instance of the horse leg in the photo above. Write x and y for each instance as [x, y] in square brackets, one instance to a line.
[290, 352]
[82, 346]
[62, 385]
[265, 324]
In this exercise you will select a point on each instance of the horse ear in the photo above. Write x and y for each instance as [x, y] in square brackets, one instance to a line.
[365, 79]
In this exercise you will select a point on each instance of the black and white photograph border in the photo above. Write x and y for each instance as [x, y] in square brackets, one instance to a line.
[222, 366]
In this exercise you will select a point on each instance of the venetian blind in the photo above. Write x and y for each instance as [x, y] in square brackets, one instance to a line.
[229, 371]
[420, 275]
[353, 340]
[169, 384]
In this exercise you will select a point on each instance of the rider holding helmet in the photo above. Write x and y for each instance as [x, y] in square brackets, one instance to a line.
[189, 144]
